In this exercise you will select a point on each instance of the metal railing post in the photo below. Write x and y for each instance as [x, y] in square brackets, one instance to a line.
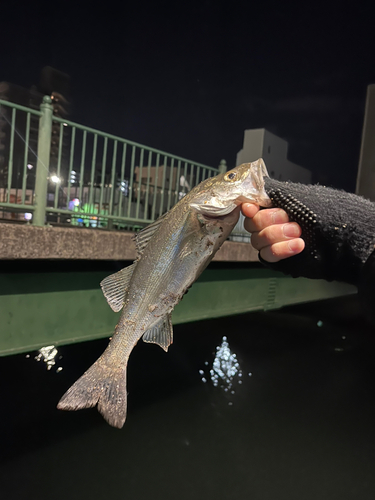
[222, 167]
[42, 165]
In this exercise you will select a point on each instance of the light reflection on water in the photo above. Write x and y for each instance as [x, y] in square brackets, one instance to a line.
[225, 369]
[48, 355]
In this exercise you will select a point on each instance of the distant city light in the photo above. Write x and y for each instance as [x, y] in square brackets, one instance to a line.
[28, 216]
[124, 187]
[94, 221]
[55, 179]
[73, 177]
[29, 166]
[74, 203]
[65, 124]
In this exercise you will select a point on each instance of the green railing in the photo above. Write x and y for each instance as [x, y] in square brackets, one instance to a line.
[18, 154]
[55, 171]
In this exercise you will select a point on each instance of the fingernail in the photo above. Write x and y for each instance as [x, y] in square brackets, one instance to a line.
[294, 246]
[291, 230]
[279, 216]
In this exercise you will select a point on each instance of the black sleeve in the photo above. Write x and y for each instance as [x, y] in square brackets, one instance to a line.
[338, 229]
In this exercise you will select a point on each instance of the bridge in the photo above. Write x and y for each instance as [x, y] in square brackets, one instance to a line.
[71, 198]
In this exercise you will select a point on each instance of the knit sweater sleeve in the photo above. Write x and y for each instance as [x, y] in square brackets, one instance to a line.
[338, 229]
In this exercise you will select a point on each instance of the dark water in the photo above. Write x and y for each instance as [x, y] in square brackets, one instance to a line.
[301, 426]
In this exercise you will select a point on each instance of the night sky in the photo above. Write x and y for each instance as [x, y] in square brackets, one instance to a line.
[189, 78]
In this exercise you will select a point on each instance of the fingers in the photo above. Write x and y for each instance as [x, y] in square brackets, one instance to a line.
[282, 250]
[263, 218]
[275, 233]
[249, 209]
[272, 234]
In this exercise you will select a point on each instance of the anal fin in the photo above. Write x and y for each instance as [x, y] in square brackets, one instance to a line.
[161, 333]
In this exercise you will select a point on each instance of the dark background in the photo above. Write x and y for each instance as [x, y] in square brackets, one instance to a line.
[190, 77]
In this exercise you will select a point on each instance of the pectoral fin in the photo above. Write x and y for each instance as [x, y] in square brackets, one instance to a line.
[115, 287]
[161, 333]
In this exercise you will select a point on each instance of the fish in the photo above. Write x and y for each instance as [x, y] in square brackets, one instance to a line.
[171, 254]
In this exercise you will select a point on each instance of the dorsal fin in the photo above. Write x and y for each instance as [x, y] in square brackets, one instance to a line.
[161, 333]
[143, 237]
[115, 287]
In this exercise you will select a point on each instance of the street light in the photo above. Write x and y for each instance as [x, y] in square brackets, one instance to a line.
[55, 179]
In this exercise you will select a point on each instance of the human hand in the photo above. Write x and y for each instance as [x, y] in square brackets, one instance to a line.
[337, 228]
[272, 234]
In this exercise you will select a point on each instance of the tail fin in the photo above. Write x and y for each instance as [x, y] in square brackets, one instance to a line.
[101, 385]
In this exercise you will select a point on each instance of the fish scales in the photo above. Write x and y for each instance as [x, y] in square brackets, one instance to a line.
[172, 253]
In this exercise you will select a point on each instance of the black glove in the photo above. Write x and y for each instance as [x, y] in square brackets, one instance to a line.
[338, 229]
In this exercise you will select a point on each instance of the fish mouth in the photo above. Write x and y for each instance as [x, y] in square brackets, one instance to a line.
[253, 185]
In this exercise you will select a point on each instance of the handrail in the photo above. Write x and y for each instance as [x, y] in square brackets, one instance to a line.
[127, 141]
[67, 173]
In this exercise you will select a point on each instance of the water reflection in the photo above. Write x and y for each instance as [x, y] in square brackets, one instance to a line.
[225, 368]
[48, 355]
[304, 419]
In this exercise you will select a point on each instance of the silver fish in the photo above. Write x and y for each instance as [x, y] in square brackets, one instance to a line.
[171, 254]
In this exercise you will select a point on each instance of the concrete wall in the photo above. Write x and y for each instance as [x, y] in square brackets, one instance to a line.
[252, 146]
[260, 143]
[366, 169]
[24, 241]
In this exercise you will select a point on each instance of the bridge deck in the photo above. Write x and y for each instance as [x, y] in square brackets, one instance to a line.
[50, 293]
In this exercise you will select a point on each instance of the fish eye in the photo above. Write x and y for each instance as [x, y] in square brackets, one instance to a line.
[231, 176]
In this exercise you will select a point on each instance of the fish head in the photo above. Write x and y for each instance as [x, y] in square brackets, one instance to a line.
[220, 195]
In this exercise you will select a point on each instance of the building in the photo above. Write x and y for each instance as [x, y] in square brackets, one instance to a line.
[260, 143]
[53, 83]
[30, 98]
[366, 170]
